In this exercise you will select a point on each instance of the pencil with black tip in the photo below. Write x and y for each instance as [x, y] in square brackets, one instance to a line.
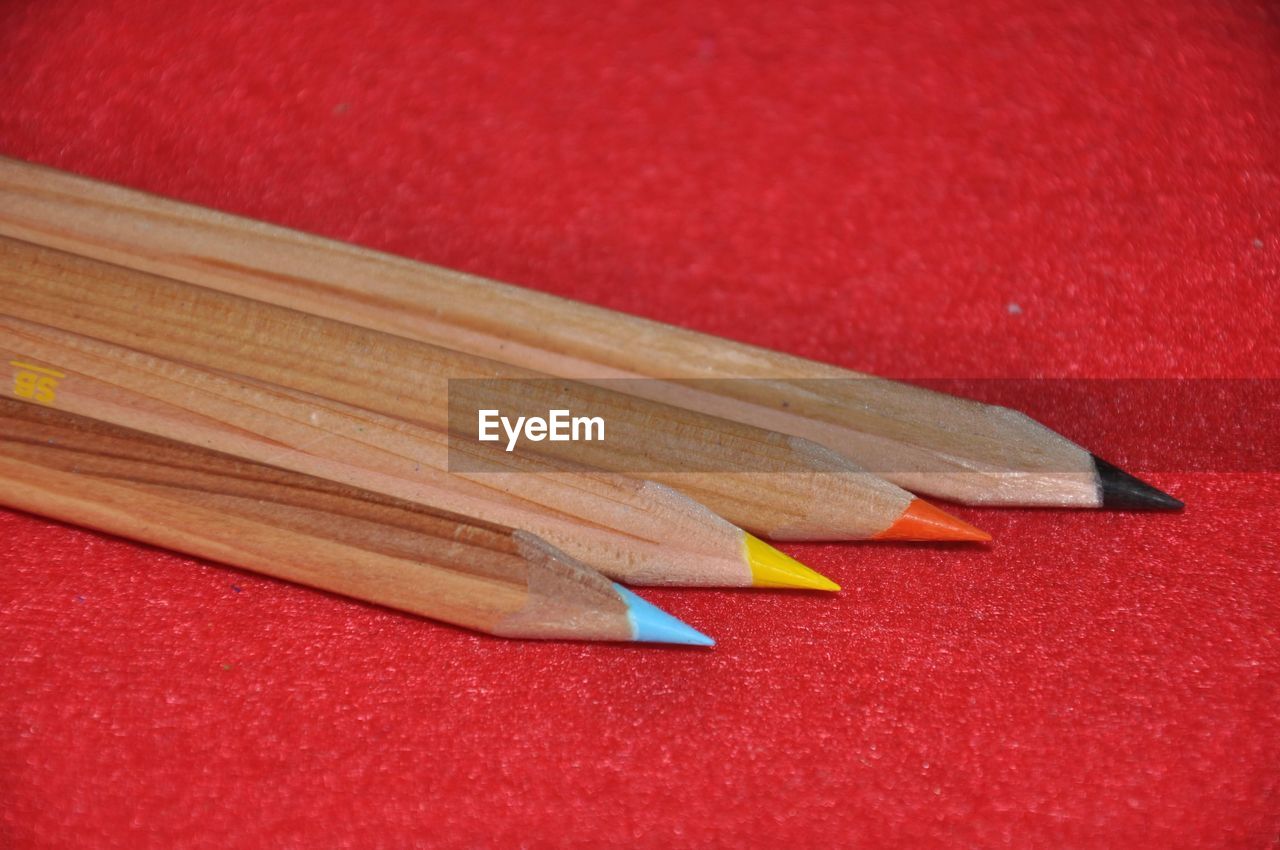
[313, 532]
[930, 443]
[770, 484]
[636, 532]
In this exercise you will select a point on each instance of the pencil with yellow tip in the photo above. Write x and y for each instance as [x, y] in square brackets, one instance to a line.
[634, 531]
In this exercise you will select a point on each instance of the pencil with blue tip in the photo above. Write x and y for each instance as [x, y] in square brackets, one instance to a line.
[314, 532]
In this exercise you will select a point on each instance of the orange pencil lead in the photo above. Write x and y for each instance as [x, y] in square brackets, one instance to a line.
[922, 521]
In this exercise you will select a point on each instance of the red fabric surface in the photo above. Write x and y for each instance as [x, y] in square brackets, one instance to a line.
[865, 184]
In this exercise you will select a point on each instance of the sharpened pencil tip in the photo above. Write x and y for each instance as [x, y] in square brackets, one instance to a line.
[922, 521]
[1122, 491]
[650, 624]
[771, 568]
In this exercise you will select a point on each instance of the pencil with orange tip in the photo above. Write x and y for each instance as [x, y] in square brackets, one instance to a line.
[314, 532]
[770, 484]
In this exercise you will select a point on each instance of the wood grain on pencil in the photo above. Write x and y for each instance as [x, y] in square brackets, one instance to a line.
[767, 483]
[927, 442]
[634, 531]
[300, 528]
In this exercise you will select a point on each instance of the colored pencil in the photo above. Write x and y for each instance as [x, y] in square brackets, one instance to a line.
[769, 484]
[633, 531]
[930, 443]
[314, 532]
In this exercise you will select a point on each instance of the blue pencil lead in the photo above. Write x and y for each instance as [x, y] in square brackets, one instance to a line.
[651, 624]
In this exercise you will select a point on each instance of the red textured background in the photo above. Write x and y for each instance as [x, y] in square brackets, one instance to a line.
[866, 184]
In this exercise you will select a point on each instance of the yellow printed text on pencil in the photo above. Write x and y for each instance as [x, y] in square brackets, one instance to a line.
[35, 383]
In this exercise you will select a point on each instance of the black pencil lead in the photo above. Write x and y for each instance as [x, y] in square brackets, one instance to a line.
[1122, 491]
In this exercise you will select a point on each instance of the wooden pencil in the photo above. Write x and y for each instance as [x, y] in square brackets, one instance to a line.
[767, 483]
[312, 531]
[634, 531]
[930, 443]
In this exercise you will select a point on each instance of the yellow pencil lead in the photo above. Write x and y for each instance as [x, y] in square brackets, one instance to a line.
[771, 568]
